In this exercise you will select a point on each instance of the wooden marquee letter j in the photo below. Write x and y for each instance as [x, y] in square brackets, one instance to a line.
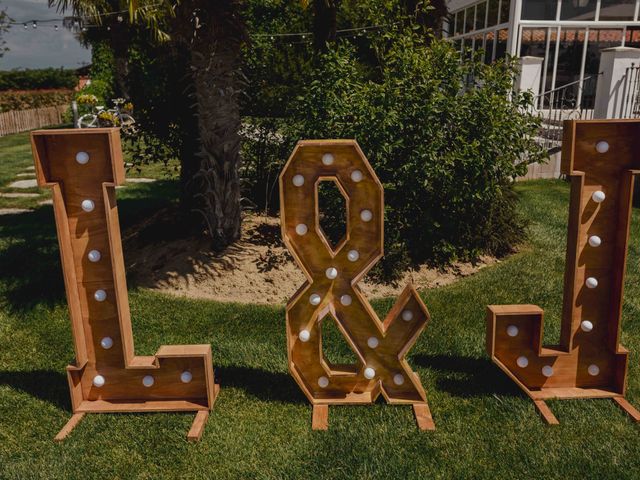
[82, 167]
[331, 288]
[602, 159]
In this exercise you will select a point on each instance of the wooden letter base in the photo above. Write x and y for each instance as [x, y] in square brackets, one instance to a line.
[601, 158]
[83, 167]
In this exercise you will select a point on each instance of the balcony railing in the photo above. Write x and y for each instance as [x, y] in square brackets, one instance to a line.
[574, 100]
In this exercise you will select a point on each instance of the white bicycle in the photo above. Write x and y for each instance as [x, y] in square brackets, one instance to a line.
[112, 117]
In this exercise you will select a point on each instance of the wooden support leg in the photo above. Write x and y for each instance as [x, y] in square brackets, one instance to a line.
[423, 416]
[71, 424]
[320, 418]
[197, 427]
[546, 412]
[627, 407]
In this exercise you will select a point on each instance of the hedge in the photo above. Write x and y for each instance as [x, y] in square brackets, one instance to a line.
[23, 100]
[38, 79]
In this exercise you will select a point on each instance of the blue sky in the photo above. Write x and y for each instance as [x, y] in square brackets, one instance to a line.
[42, 47]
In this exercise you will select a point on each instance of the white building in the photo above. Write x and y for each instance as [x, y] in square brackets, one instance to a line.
[567, 34]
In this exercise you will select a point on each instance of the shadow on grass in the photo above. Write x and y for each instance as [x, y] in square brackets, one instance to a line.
[30, 270]
[467, 377]
[268, 386]
[47, 385]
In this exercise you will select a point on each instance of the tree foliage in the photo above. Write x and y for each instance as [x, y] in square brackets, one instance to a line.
[4, 27]
[446, 154]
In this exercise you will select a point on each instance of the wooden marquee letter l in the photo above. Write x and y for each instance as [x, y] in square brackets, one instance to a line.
[82, 167]
[602, 158]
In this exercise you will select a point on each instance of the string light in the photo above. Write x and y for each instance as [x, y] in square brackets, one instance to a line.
[83, 23]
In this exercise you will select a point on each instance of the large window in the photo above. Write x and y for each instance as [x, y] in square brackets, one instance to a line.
[488, 48]
[493, 13]
[505, 7]
[481, 12]
[570, 50]
[617, 9]
[469, 18]
[578, 10]
[539, 9]
[598, 40]
[501, 44]
[534, 42]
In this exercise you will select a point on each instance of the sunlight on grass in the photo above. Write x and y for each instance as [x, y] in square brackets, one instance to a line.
[260, 427]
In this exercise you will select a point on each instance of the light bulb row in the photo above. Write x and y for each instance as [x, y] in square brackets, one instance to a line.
[148, 380]
[369, 374]
[100, 295]
[547, 370]
[302, 229]
[591, 282]
[315, 299]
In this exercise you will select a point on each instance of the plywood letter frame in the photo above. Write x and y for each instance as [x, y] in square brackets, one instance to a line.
[82, 167]
[602, 159]
[331, 289]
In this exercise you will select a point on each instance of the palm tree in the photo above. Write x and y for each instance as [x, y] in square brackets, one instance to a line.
[214, 32]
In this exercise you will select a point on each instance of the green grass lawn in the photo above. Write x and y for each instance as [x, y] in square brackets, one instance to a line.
[261, 424]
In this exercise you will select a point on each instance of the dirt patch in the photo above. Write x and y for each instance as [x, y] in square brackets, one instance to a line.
[257, 269]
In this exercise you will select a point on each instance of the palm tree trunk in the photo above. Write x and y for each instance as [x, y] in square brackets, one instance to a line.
[215, 64]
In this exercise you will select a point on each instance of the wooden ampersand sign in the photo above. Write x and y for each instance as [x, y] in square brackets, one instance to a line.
[82, 167]
[332, 289]
[601, 157]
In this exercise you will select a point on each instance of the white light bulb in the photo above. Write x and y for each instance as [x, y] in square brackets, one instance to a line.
[372, 342]
[331, 273]
[298, 180]
[88, 205]
[148, 381]
[314, 299]
[369, 373]
[366, 215]
[301, 229]
[512, 330]
[323, 382]
[522, 361]
[586, 326]
[186, 376]
[98, 381]
[595, 241]
[547, 371]
[593, 370]
[94, 256]
[598, 196]
[356, 176]
[345, 300]
[407, 315]
[327, 159]
[100, 295]
[106, 343]
[602, 146]
[591, 282]
[82, 158]
[398, 379]
[353, 255]
[304, 335]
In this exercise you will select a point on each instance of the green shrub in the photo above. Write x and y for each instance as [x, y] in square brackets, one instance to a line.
[445, 155]
[24, 100]
[38, 79]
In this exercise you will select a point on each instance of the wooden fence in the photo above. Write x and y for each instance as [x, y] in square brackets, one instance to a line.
[18, 121]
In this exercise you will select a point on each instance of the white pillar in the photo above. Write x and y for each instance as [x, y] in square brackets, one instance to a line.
[530, 74]
[613, 84]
